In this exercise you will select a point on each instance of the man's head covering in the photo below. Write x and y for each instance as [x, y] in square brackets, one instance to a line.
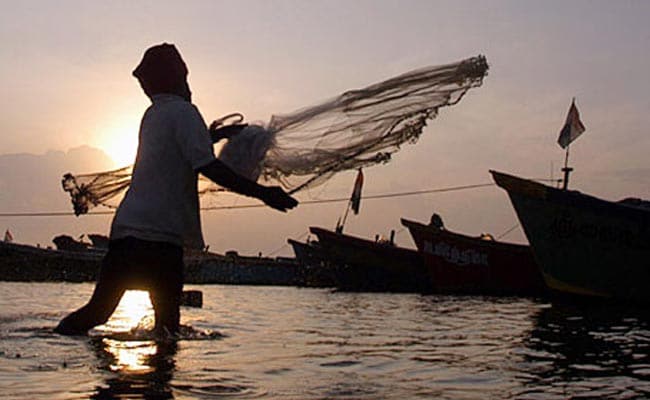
[162, 70]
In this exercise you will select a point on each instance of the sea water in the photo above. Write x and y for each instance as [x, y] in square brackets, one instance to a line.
[292, 343]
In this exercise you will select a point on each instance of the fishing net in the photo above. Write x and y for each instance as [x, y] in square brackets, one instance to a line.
[89, 190]
[302, 149]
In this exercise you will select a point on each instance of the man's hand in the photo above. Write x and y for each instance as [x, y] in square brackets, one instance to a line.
[275, 197]
[219, 132]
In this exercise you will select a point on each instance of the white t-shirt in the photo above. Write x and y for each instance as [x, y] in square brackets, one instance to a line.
[162, 203]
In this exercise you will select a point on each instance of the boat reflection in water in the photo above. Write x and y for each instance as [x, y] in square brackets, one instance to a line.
[592, 350]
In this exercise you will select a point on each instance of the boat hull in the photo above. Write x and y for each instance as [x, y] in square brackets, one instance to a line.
[365, 265]
[20, 262]
[583, 245]
[314, 265]
[307, 254]
[463, 264]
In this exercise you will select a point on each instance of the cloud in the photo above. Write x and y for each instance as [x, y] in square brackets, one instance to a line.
[32, 182]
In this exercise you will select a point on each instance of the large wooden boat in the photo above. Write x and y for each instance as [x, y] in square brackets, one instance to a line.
[367, 265]
[584, 245]
[462, 264]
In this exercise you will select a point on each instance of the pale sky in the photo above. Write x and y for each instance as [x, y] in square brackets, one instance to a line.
[65, 73]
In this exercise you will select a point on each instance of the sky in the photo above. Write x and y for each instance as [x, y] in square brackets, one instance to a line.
[70, 104]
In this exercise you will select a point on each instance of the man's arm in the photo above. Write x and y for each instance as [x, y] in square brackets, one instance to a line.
[273, 196]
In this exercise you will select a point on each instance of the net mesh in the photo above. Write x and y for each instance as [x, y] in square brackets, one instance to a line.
[90, 190]
[305, 148]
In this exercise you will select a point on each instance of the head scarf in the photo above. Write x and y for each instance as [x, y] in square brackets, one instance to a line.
[162, 70]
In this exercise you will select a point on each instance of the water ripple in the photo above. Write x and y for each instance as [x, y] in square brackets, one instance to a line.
[274, 342]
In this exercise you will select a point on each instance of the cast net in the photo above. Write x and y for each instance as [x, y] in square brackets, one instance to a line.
[303, 149]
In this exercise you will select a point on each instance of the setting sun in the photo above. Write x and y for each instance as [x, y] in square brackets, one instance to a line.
[122, 147]
[119, 139]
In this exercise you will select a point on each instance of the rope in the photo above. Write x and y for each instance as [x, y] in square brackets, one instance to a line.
[508, 231]
[274, 252]
[242, 206]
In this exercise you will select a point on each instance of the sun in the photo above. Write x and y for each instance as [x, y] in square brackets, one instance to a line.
[119, 139]
[121, 147]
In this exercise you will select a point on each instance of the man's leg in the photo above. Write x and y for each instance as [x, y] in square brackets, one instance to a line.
[167, 287]
[105, 298]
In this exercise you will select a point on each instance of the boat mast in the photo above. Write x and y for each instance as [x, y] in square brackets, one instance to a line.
[341, 224]
[354, 201]
[567, 170]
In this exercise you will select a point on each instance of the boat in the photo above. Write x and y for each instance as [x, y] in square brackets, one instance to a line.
[309, 253]
[75, 261]
[584, 245]
[316, 269]
[371, 266]
[461, 264]
[21, 262]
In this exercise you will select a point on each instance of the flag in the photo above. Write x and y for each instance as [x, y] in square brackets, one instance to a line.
[355, 200]
[8, 236]
[572, 128]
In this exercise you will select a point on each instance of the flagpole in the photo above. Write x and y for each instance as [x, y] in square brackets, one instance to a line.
[354, 201]
[339, 229]
[567, 170]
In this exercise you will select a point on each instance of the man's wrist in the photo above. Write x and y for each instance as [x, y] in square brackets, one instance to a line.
[259, 191]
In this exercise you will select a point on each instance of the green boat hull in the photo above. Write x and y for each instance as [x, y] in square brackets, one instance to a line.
[582, 244]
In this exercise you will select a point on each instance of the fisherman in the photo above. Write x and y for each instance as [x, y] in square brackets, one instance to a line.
[159, 215]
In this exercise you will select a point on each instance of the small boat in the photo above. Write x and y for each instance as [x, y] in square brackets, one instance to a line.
[584, 245]
[314, 266]
[461, 264]
[374, 266]
[309, 253]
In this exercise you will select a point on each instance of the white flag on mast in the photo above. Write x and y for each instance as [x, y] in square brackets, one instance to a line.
[572, 128]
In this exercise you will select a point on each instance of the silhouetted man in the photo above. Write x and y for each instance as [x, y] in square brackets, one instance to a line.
[159, 214]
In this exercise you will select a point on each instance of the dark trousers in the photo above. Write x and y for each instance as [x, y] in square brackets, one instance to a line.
[133, 264]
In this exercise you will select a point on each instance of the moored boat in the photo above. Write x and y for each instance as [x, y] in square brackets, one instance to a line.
[316, 270]
[584, 245]
[366, 265]
[462, 264]
[21, 262]
[309, 253]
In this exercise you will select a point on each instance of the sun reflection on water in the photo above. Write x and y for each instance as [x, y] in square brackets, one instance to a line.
[134, 311]
[131, 356]
[130, 351]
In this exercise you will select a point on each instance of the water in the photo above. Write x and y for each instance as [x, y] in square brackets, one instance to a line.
[290, 343]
